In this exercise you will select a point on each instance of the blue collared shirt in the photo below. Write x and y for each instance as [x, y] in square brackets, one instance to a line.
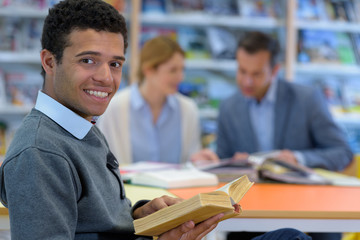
[70, 121]
[160, 141]
[262, 118]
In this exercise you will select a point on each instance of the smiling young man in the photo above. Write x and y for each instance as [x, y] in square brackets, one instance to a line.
[59, 179]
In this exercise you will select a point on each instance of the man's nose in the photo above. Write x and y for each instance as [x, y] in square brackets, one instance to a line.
[103, 73]
[247, 80]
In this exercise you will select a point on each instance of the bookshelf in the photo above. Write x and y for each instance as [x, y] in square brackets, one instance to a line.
[287, 26]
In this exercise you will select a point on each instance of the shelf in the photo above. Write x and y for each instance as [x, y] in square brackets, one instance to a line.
[211, 64]
[334, 69]
[328, 26]
[208, 113]
[11, 109]
[19, 57]
[23, 12]
[211, 20]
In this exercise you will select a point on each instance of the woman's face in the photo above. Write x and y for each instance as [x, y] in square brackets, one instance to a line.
[167, 76]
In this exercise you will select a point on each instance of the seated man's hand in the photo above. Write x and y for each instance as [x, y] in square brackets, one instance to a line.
[287, 156]
[155, 205]
[204, 156]
[240, 156]
[188, 230]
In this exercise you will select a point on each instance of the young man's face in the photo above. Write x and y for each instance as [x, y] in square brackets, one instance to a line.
[90, 72]
[254, 74]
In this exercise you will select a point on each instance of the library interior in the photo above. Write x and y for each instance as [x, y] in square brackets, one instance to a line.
[318, 53]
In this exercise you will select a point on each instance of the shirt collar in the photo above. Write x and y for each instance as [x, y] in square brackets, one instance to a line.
[137, 100]
[270, 95]
[70, 121]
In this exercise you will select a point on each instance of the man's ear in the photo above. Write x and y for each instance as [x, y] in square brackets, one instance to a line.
[47, 61]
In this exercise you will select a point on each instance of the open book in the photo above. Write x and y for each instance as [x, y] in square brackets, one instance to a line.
[174, 178]
[198, 208]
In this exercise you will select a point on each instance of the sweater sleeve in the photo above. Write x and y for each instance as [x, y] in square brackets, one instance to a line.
[41, 192]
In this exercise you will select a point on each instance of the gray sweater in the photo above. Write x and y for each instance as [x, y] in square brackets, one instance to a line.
[59, 187]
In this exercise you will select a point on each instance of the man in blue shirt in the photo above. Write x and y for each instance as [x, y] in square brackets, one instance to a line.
[270, 114]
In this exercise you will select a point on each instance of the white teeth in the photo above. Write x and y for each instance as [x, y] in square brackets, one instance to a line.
[98, 93]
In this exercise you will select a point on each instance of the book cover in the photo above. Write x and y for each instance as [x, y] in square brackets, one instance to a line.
[340, 11]
[154, 7]
[308, 10]
[224, 7]
[318, 46]
[198, 208]
[194, 41]
[345, 48]
[258, 8]
[186, 6]
[2, 89]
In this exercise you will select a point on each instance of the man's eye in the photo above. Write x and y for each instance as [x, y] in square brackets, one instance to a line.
[116, 64]
[87, 60]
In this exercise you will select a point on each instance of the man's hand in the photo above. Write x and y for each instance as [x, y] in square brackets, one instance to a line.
[287, 156]
[188, 230]
[240, 156]
[155, 205]
[204, 156]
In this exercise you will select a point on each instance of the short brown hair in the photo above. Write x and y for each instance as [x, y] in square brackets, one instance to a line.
[254, 42]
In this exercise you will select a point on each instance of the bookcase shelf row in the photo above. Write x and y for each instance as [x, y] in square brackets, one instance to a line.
[199, 19]
[15, 110]
[23, 12]
[19, 57]
[337, 26]
[320, 68]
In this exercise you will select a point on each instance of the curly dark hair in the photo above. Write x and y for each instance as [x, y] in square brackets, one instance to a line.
[69, 15]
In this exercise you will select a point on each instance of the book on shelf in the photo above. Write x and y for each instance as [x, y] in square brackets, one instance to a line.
[224, 7]
[150, 32]
[186, 6]
[20, 35]
[222, 42]
[355, 37]
[198, 208]
[194, 42]
[154, 7]
[318, 46]
[308, 9]
[3, 100]
[22, 87]
[260, 8]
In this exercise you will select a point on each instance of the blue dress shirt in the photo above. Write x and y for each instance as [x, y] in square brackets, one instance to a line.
[262, 118]
[160, 141]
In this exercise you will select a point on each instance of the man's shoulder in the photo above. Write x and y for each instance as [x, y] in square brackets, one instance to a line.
[296, 89]
[36, 131]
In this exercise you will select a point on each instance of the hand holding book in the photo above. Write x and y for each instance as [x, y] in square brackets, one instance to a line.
[197, 209]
